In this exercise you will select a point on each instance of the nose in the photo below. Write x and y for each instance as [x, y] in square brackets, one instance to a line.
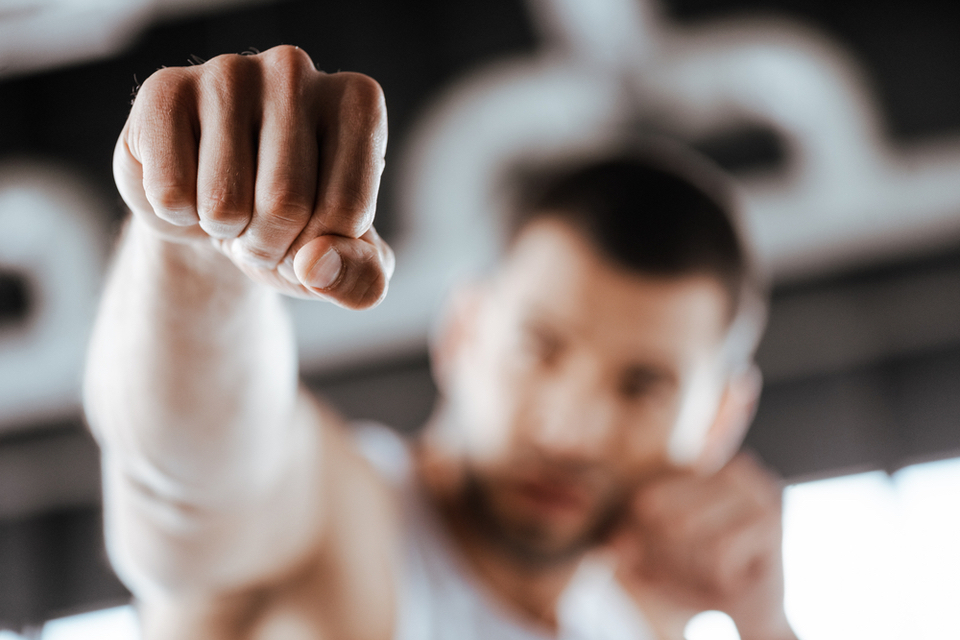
[574, 415]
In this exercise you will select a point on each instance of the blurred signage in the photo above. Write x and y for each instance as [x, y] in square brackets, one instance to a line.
[41, 34]
[842, 196]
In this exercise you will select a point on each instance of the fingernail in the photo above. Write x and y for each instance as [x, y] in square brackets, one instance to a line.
[285, 269]
[325, 271]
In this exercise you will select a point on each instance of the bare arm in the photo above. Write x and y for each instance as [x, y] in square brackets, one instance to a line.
[199, 433]
[242, 174]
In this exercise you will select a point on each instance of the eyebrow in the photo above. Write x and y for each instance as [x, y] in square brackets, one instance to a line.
[541, 318]
[651, 372]
[538, 320]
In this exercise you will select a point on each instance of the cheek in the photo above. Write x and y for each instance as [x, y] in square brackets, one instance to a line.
[645, 447]
[489, 404]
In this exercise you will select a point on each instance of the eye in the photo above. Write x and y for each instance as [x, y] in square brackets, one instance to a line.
[638, 382]
[541, 344]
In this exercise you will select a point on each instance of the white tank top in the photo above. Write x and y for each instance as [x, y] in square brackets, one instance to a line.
[440, 600]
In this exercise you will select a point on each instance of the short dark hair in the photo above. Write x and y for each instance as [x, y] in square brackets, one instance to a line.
[660, 214]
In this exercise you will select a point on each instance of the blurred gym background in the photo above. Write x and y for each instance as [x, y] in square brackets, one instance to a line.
[841, 120]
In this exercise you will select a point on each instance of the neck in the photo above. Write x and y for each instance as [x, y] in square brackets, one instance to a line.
[531, 590]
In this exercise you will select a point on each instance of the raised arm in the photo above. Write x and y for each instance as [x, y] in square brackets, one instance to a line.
[246, 176]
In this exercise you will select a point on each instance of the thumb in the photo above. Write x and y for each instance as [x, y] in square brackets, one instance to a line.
[352, 272]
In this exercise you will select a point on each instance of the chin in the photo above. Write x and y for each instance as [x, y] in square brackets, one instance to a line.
[537, 527]
[542, 546]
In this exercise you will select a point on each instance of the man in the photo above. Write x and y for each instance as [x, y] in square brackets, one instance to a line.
[577, 478]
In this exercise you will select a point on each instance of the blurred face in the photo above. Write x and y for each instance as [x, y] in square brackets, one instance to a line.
[571, 380]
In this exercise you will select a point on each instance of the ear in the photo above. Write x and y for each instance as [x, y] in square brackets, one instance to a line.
[738, 405]
[453, 330]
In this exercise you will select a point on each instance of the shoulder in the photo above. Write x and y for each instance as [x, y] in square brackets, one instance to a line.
[344, 587]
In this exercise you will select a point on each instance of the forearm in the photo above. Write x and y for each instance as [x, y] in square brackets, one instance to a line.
[214, 460]
[191, 389]
[192, 367]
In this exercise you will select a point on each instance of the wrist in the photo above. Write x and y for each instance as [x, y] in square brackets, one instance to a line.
[188, 259]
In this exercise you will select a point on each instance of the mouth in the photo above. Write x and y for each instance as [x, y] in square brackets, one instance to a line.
[555, 499]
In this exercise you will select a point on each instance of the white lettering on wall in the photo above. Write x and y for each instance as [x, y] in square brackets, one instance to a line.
[51, 237]
[845, 196]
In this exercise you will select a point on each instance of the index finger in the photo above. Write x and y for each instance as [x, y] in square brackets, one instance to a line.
[161, 135]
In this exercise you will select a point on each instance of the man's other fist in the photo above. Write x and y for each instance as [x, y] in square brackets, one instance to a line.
[693, 543]
[274, 163]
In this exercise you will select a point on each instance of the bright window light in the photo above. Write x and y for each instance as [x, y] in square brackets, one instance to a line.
[930, 518]
[9, 635]
[839, 558]
[118, 623]
[875, 556]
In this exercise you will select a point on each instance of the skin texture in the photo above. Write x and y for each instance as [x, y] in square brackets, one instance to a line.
[231, 493]
[269, 160]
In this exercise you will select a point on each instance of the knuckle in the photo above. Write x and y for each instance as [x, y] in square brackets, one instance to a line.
[260, 254]
[222, 206]
[348, 213]
[167, 196]
[225, 75]
[362, 102]
[284, 208]
[289, 69]
[165, 86]
[359, 90]
[226, 64]
[288, 56]
[163, 99]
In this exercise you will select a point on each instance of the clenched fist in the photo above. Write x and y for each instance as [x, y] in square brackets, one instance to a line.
[273, 163]
[693, 543]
